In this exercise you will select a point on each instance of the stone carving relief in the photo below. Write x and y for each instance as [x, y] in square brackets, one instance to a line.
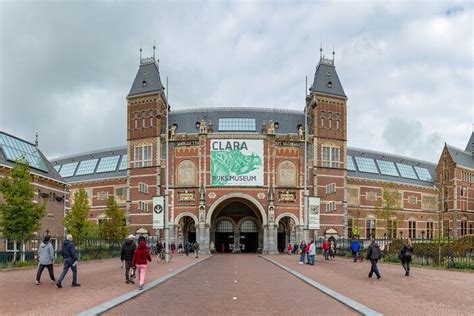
[287, 174]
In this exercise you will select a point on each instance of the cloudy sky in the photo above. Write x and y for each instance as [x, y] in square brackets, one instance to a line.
[407, 67]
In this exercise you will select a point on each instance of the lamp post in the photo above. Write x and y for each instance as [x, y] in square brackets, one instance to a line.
[167, 231]
[401, 234]
[422, 235]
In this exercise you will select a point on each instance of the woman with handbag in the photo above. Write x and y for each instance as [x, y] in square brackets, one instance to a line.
[405, 255]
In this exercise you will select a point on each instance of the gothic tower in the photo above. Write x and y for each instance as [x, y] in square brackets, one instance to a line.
[327, 113]
[146, 120]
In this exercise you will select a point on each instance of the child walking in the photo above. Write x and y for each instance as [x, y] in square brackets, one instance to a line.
[141, 257]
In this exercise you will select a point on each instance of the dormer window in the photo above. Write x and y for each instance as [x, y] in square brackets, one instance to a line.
[329, 84]
[144, 83]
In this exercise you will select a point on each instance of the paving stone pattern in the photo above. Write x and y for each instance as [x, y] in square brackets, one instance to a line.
[209, 288]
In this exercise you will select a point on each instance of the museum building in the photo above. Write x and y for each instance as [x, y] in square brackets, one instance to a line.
[236, 176]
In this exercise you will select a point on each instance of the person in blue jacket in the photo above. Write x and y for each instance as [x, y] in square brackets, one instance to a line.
[70, 261]
[355, 247]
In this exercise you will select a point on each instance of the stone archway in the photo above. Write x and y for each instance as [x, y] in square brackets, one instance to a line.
[286, 231]
[237, 208]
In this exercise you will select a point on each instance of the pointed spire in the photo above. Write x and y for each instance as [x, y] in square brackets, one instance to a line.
[321, 51]
[271, 195]
[202, 193]
[154, 48]
[333, 53]
[36, 141]
[141, 50]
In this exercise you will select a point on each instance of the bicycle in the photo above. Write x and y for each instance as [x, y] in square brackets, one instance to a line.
[162, 255]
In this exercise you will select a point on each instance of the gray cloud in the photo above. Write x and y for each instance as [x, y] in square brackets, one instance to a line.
[66, 67]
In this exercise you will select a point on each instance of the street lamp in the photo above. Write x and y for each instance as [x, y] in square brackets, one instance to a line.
[422, 235]
[401, 234]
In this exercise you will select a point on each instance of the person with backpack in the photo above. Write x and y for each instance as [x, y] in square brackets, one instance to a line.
[355, 247]
[141, 257]
[374, 254]
[126, 256]
[405, 255]
[46, 259]
[70, 261]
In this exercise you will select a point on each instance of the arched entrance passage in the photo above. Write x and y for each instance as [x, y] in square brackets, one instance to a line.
[286, 231]
[186, 225]
[236, 225]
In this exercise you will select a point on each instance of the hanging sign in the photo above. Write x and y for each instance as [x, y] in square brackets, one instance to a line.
[158, 212]
[313, 212]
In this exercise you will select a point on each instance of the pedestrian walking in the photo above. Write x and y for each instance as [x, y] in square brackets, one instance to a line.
[180, 248]
[141, 257]
[332, 249]
[186, 248]
[374, 254]
[70, 262]
[46, 259]
[405, 255]
[312, 253]
[126, 256]
[295, 248]
[159, 247]
[290, 248]
[355, 247]
[302, 251]
[307, 253]
[196, 248]
[326, 246]
[173, 247]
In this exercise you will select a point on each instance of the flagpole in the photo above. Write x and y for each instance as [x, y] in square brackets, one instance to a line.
[167, 231]
[305, 194]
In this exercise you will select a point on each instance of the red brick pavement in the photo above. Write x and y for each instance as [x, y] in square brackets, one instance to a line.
[101, 281]
[425, 292]
[209, 289]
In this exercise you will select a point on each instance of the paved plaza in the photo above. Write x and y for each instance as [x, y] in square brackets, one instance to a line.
[245, 284]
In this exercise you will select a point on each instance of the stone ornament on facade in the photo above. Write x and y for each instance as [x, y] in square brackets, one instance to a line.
[261, 195]
[287, 174]
[186, 173]
[186, 196]
[212, 195]
[287, 196]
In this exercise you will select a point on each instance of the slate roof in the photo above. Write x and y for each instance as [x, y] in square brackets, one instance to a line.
[288, 120]
[49, 173]
[326, 79]
[461, 157]
[470, 144]
[356, 152]
[147, 79]
[98, 154]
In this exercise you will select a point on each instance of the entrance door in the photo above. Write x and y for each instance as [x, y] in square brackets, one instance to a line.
[224, 236]
[248, 236]
[281, 238]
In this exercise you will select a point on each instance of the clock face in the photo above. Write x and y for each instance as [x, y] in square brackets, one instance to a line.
[158, 209]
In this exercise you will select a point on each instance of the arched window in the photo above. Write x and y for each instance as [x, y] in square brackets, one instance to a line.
[286, 173]
[186, 174]
[224, 226]
[248, 226]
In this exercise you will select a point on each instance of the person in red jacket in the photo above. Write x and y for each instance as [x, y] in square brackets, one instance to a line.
[141, 257]
[326, 246]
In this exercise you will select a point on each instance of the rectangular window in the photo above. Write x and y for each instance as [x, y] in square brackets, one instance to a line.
[349, 227]
[463, 228]
[412, 229]
[329, 119]
[392, 228]
[330, 188]
[350, 164]
[135, 120]
[143, 188]
[370, 228]
[143, 120]
[143, 206]
[123, 163]
[151, 118]
[86, 167]
[366, 165]
[330, 207]
[387, 168]
[322, 119]
[121, 194]
[338, 126]
[406, 171]
[143, 156]
[463, 191]
[430, 230]
[108, 164]
[237, 124]
[330, 157]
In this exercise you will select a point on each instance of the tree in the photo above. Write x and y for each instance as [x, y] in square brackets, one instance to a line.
[18, 213]
[76, 221]
[390, 204]
[114, 225]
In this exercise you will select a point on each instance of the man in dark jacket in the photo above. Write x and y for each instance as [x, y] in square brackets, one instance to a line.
[374, 254]
[355, 247]
[126, 256]
[70, 261]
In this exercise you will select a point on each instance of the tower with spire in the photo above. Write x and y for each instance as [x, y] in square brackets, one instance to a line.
[146, 120]
[327, 113]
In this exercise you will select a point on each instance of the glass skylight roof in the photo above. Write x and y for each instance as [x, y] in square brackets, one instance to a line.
[366, 165]
[123, 163]
[387, 168]
[108, 164]
[86, 167]
[237, 124]
[68, 169]
[423, 174]
[15, 148]
[350, 164]
[406, 171]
